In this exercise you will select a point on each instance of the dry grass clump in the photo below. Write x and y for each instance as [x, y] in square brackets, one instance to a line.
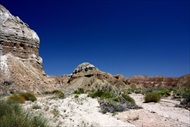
[16, 98]
[28, 96]
[59, 93]
[22, 97]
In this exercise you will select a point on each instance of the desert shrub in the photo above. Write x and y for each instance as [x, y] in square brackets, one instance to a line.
[128, 98]
[185, 92]
[12, 115]
[16, 98]
[186, 99]
[109, 107]
[164, 92]
[101, 94]
[180, 93]
[55, 112]
[36, 106]
[59, 93]
[76, 96]
[79, 91]
[138, 90]
[117, 99]
[28, 96]
[9, 107]
[113, 106]
[128, 91]
[152, 97]
[147, 90]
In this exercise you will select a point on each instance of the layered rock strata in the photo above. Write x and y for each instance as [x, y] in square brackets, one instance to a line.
[20, 64]
[18, 39]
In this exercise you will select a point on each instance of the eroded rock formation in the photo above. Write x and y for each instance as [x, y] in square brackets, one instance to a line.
[20, 64]
[89, 77]
[17, 38]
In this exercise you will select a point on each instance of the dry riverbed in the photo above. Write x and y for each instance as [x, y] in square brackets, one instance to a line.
[73, 111]
[83, 111]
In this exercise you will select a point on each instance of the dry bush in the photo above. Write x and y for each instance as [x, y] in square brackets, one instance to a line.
[28, 96]
[16, 98]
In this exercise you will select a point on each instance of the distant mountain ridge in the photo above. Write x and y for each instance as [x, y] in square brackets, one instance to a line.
[93, 78]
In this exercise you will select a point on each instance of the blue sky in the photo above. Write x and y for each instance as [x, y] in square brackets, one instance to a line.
[129, 37]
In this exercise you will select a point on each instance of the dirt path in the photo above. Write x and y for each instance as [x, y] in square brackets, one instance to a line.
[162, 114]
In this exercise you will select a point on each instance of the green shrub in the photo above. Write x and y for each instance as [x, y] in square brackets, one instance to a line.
[117, 99]
[186, 99]
[128, 98]
[9, 107]
[164, 92]
[28, 96]
[152, 97]
[59, 93]
[16, 98]
[101, 94]
[55, 112]
[128, 91]
[147, 90]
[79, 91]
[61, 96]
[138, 90]
[36, 106]
[12, 115]
[76, 96]
[180, 91]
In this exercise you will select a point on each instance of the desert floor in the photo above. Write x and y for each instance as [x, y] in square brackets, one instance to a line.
[84, 111]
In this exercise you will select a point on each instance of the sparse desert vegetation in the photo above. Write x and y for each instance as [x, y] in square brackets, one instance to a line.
[12, 115]
[111, 101]
[16, 98]
[28, 96]
[128, 98]
[59, 93]
[22, 97]
[89, 103]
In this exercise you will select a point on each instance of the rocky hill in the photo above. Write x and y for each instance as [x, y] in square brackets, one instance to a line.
[20, 64]
[89, 77]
